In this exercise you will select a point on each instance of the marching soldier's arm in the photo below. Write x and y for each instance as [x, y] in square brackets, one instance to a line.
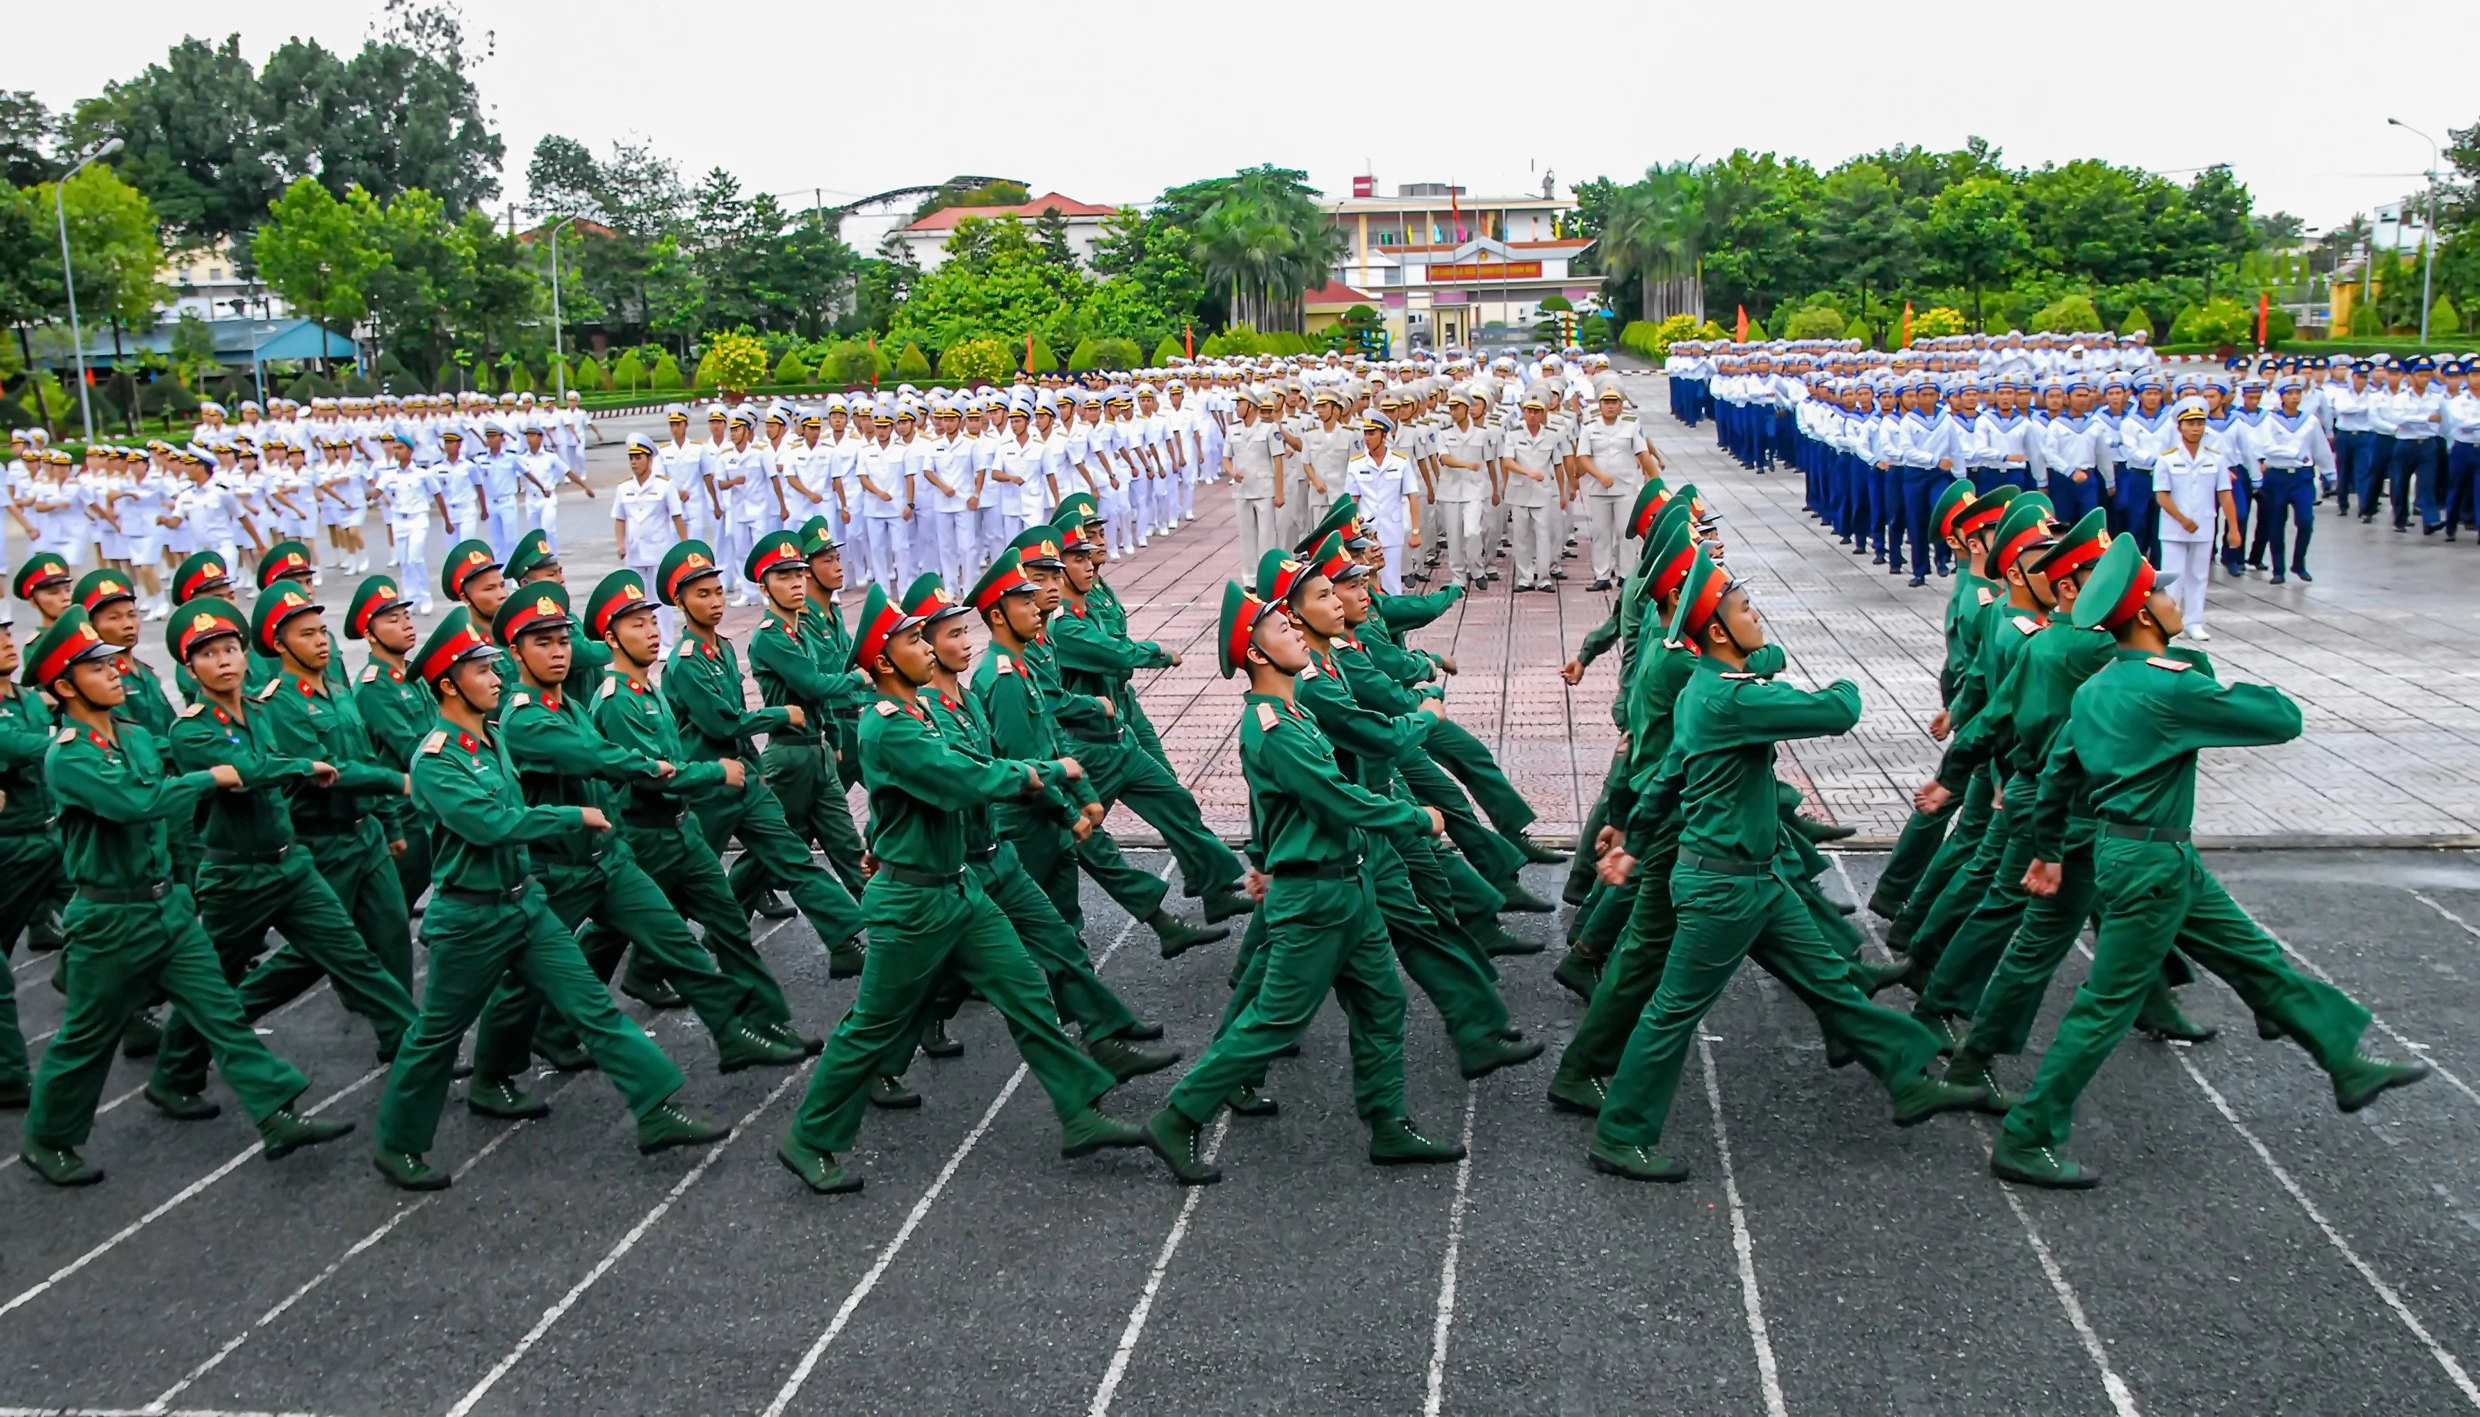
[1599, 640]
[23, 740]
[641, 734]
[1310, 776]
[1086, 648]
[470, 810]
[901, 752]
[698, 696]
[1407, 613]
[542, 740]
[1378, 690]
[2215, 715]
[83, 777]
[287, 724]
[1357, 729]
[1769, 710]
[199, 742]
[2062, 779]
[1404, 666]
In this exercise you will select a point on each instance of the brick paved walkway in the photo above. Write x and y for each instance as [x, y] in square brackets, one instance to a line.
[2382, 652]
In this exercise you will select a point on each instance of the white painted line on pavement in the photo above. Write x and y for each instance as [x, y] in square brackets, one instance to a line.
[618, 1252]
[140, 1412]
[1768, 1377]
[913, 1218]
[2447, 1361]
[1118, 1369]
[1446, 1271]
[2375, 1022]
[36, 1291]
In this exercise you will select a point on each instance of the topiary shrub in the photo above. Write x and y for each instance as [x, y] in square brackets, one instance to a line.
[2443, 318]
[912, 364]
[1816, 322]
[2067, 315]
[1169, 349]
[2137, 322]
[628, 372]
[977, 361]
[310, 386]
[666, 372]
[1042, 359]
[1556, 302]
[2218, 321]
[790, 369]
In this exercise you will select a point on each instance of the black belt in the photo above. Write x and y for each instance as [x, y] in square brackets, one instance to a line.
[30, 828]
[807, 738]
[648, 817]
[1722, 865]
[134, 895]
[218, 856]
[982, 857]
[930, 880]
[468, 896]
[2128, 832]
[331, 827]
[1319, 870]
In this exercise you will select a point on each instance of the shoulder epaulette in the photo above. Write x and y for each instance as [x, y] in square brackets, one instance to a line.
[886, 708]
[2024, 626]
[1742, 675]
[370, 674]
[1001, 664]
[519, 699]
[2162, 661]
[438, 739]
[1986, 594]
[1267, 718]
[267, 691]
[193, 711]
[67, 734]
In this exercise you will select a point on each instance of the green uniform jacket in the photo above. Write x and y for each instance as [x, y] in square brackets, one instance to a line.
[960, 720]
[467, 783]
[633, 718]
[1078, 715]
[396, 710]
[1407, 667]
[2137, 725]
[1662, 671]
[711, 704]
[27, 724]
[1305, 815]
[1016, 710]
[115, 799]
[1094, 660]
[314, 722]
[1406, 613]
[1720, 769]
[787, 666]
[831, 644]
[2051, 668]
[1987, 735]
[256, 819]
[1367, 741]
[562, 761]
[147, 706]
[587, 659]
[1972, 595]
[923, 785]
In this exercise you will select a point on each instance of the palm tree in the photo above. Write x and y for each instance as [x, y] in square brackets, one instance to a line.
[1655, 232]
[1267, 243]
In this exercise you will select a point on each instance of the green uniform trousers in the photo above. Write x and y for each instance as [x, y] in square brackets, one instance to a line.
[2011, 1001]
[1124, 772]
[1054, 946]
[804, 779]
[31, 885]
[413, 869]
[1722, 920]
[772, 855]
[118, 957]
[1923, 833]
[2156, 895]
[473, 945]
[1454, 748]
[238, 903]
[1980, 938]
[918, 933]
[1949, 860]
[1491, 854]
[1633, 973]
[616, 894]
[1581, 878]
[1320, 935]
[685, 868]
[368, 880]
[1138, 892]
[1956, 895]
[1141, 728]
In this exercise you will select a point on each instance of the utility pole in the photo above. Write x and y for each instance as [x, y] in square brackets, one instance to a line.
[77, 337]
[2428, 243]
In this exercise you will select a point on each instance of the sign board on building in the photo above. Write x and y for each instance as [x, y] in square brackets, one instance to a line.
[1485, 271]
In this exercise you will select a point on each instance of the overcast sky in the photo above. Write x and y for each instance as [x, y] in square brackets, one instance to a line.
[1111, 102]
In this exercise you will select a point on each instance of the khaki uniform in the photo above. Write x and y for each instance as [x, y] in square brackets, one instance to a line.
[1612, 447]
[1533, 522]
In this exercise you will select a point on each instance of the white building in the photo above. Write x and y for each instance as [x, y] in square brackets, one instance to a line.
[926, 239]
[2397, 228]
[207, 283]
[1448, 263]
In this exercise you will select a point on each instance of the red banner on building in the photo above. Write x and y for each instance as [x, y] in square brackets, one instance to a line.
[1485, 271]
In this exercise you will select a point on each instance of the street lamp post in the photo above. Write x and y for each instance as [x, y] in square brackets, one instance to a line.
[2428, 267]
[77, 337]
[559, 347]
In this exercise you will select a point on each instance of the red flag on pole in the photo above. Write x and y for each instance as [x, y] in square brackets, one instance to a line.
[2264, 311]
[1028, 354]
[1455, 205]
[873, 361]
[1188, 338]
[1742, 336]
[1907, 322]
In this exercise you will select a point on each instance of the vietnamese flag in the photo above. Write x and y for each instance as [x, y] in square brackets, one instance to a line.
[2264, 312]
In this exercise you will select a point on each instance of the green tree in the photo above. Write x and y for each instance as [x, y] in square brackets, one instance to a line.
[2444, 319]
[1153, 253]
[2067, 315]
[314, 251]
[1263, 240]
[192, 352]
[1083, 359]
[1169, 350]
[27, 130]
[790, 369]
[2137, 322]
[1974, 234]
[1816, 322]
[665, 374]
[912, 364]
[1763, 236]
[628, 373]
[1043, 359]
[1651, 236]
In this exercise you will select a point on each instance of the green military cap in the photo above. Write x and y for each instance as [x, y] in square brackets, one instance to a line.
[194, 622]
[881, 619]
[1669, 553]
[286, 560]
[927, 600]
[1039, 545]
[1331, 560]
[277, 604]
[2077, 547]
[451, 644]
[544, 603]
[818, 537]
[101, 586]
[616, 595]
[1984, 510]
[466, 560]
[70, 640]
[1278, 573]
[532, 553]
[1005, 577]
[1241, 612]
[1650, 499]
[773, 551]
[371, 599]
[686, 562]
[1077, 505]
[1701, 591]
[41, 569]
[202, 573]
[1344, 517]
[1957, 496]
[2025, 525]
[2120, 584]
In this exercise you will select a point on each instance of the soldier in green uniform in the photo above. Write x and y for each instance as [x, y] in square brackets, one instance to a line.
[110, 599]
[352, 826]
[255, 876]
[531, 560]
[1113, 1034]
[472, 576]
[928, 914]
[396, 709]
[33, 883]
[2133, 731]
[1096, 663]
[830, 822]
[561, 760]
[710, 702]
[1102, 605]
[655, 821]
[1310, 830]
[1026, 708]
[45, 582]
[491, 917]
[1618, 629]
[1730, 890]
[132, 928]
[790, 664]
